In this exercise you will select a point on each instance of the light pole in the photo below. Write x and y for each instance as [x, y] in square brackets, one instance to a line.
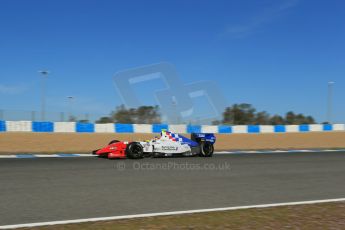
[330, 101]
[44, 74]
[70, 99]
[175, 117]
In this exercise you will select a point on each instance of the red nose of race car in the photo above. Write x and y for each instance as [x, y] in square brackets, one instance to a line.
[104, 150]
[115, 150]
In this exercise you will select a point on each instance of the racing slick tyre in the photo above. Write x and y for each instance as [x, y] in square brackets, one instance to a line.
[134, 150]
[206, 149]
[113, 141]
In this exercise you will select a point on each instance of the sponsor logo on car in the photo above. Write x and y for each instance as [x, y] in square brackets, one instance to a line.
[169, 148]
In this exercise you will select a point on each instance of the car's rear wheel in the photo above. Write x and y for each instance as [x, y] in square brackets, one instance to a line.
[134, 150]
[206, 149]
[113, 142]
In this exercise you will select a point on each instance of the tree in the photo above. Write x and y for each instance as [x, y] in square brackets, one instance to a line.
[245, 114]
[123, 115]
[298, 119]
[239, 114]
[290, 118]
[310, 120]
[140, 115]
[301, 119]
[262, 118]
[277, 120]
[148, 115]
[105, 120]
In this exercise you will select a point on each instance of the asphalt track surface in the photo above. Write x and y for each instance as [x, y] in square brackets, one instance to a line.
[50, 189]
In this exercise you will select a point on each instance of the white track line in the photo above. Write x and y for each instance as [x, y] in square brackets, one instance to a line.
[8, 156]
[85, 155]
[167, 213]
[276, 151]
[46, 155]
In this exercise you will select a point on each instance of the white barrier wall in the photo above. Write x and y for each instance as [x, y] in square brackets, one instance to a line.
[240, 129]
[266, 128]
[292, 128]
[104, 128]
[64, 127]
[315, 128]
[339, 127]
[209, 129]
[178, 128]
[18, 126]
[144, 128]
[72, 127]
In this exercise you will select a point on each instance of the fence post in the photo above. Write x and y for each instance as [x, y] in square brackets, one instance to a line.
[62, 116]
[33, 115]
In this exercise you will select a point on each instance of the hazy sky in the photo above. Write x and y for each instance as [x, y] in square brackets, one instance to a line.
[276, 55]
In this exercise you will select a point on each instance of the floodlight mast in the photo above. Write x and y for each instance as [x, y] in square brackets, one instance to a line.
[44, 74]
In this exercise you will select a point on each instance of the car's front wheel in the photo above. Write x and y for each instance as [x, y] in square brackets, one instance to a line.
[134, 150]
[206, 149]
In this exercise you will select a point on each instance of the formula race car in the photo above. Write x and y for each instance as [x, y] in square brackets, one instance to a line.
[168, 144]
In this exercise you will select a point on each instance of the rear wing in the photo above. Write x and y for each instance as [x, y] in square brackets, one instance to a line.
[203, 137]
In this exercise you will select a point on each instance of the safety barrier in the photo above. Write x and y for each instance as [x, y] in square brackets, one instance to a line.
[76, 127]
